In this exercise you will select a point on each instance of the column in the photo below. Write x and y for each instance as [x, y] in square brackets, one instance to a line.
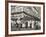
[32, 24]
[23, 25]
[28, 23]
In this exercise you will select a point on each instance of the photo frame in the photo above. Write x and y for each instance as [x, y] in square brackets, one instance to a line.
[24, 18]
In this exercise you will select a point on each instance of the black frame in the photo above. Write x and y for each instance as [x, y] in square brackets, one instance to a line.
[6, 17]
